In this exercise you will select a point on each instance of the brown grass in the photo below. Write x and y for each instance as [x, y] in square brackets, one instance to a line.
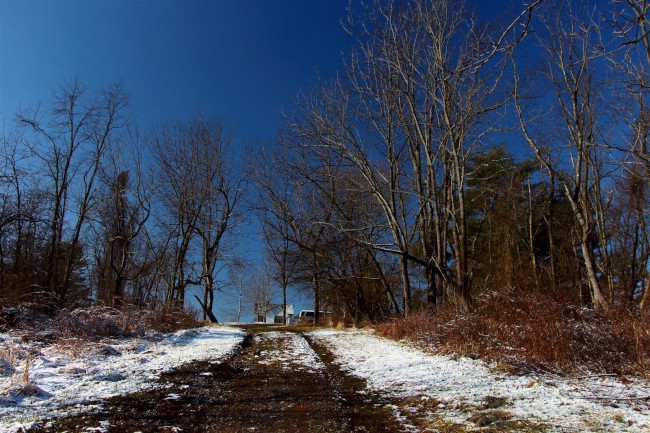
[531, 331]
[170, 319]
[97, 322]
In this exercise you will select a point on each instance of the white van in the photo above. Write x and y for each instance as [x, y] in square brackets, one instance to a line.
[306, 316]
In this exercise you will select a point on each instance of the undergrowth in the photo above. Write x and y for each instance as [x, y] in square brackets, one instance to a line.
[109, 322]
[76, 333]
[97, 322]
[532, 332]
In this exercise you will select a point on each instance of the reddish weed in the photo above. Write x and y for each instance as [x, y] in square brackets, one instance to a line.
[532, 331]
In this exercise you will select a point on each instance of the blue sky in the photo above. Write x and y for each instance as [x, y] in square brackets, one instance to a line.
[241, 60]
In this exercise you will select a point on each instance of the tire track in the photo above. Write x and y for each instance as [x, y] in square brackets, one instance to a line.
[272, 383]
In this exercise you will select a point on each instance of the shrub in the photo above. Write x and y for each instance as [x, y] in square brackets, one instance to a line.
[525, 331]
[170, 319]
[94, 323]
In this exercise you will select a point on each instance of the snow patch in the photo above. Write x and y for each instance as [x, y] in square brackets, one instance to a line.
[294, 352]
[60, 383]
[464, 386]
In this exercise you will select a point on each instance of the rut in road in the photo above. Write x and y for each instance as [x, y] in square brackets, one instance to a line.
[276, 382]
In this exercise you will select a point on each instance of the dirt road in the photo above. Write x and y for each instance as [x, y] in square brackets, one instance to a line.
[276, 382]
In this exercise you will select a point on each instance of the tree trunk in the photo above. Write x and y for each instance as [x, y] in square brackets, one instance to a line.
[206, 310]
[432, 288]
[283, 278]
[384, 282]
[551, 232]
[645, 300]
[597, 299]
[406, 285]
[118, 292]
[531, 234]
[316, 289]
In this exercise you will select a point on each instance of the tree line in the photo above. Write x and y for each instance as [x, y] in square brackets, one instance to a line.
[95, 212]
[452, 156]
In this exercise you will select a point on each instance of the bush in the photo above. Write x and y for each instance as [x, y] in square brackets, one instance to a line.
[95, 322]
[101, 321]
[531, 331]
[170, 319]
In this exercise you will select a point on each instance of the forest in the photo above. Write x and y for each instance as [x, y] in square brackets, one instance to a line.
[452, 160]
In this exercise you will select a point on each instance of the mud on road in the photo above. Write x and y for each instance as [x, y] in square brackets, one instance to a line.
[275, 382]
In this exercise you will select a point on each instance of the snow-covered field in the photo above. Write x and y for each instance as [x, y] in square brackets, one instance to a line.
[461, 387]
[55, 380]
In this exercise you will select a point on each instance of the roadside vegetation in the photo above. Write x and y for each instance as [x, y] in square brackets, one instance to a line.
[77, 332]
[466, 197]
[37, 321]
[533, 334]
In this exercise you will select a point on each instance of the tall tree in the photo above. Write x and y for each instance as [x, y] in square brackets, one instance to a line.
[274, 195]
[122, 218]
[572, 44]
[70, 141]
[415, 101]
[221, 184]
[200, 190]
[632, 65]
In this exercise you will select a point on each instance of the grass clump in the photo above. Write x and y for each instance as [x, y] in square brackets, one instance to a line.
[532, 331]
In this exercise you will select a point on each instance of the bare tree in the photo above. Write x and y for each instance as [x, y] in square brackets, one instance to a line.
[122, 217]
[221, 184]
[259, 292]
[70, 143]
[273, 205]
[171, 148]
[573, 48]
[332, 126]
[238, 279]
[200, 189]
[632, 61]
[416, 99]
[12, 216]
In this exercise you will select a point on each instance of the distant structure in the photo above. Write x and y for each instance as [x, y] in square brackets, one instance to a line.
[271, 313]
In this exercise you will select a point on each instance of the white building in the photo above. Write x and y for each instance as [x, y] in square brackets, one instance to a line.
[271, 313]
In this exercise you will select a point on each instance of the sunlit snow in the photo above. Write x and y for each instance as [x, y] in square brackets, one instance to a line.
[64, 382]
[293, 352]
[462, 385]
[58, 382]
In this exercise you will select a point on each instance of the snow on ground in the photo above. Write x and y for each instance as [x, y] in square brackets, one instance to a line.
[63, 382]
[464, 387]
[293, 351]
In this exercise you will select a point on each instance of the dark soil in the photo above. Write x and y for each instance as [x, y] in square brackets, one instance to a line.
[246, 393]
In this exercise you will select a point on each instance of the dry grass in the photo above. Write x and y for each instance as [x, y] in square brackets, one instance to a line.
[15, 379]
[97, 322]
[77, 333]
[170, 319]
[100, 321]
[9, 357]
[14, 361]
[533, 332]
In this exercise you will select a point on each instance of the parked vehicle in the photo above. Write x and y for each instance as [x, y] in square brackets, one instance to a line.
[307, 316]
